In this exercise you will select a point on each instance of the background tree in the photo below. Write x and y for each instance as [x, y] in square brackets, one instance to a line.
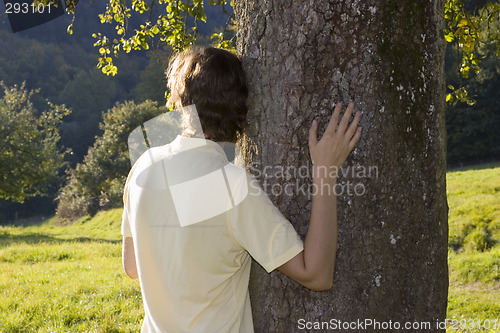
[29, 156]
[97, 182]
[387, 56]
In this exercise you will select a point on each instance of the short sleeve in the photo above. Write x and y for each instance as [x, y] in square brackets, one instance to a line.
[260, 228]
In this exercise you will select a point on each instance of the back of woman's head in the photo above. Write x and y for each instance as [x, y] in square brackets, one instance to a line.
[213, 80]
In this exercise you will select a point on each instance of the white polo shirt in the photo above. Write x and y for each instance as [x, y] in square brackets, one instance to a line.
[196, 220]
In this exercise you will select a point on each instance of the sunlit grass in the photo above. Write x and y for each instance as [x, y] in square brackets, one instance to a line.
[474, 255]
[472, 267]
[474, 308]
[474, 201]
[67, 278]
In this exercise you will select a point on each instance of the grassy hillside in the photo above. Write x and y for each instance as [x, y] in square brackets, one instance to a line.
[69, 278]
[474, 201]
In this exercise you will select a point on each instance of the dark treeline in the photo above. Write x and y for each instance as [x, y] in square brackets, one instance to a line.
[473, 131]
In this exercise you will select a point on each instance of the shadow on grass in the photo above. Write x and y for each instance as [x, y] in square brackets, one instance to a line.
[39, 220]
[491, 165]
[7, 239]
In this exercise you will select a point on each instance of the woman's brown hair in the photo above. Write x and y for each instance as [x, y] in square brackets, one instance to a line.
[213, 80]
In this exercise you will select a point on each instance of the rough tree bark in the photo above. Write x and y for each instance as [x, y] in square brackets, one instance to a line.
[387, 56]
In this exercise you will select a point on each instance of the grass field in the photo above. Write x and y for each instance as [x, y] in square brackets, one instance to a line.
[67, 278]
[56, 278]
[474, 241]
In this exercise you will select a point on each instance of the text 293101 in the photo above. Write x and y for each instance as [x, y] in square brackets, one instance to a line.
[27, 8]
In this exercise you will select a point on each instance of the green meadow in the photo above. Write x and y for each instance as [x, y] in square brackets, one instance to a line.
[57, 278]
[68, 278]
[474, 248]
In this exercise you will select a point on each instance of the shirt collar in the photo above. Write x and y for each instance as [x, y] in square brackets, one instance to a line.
[182, 144]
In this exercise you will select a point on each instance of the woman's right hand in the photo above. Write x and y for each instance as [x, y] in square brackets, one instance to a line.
[338, 140]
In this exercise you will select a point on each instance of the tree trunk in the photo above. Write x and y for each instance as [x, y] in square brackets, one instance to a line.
[387, 57]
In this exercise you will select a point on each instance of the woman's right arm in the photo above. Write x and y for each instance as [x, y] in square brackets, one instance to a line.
[314, 266]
